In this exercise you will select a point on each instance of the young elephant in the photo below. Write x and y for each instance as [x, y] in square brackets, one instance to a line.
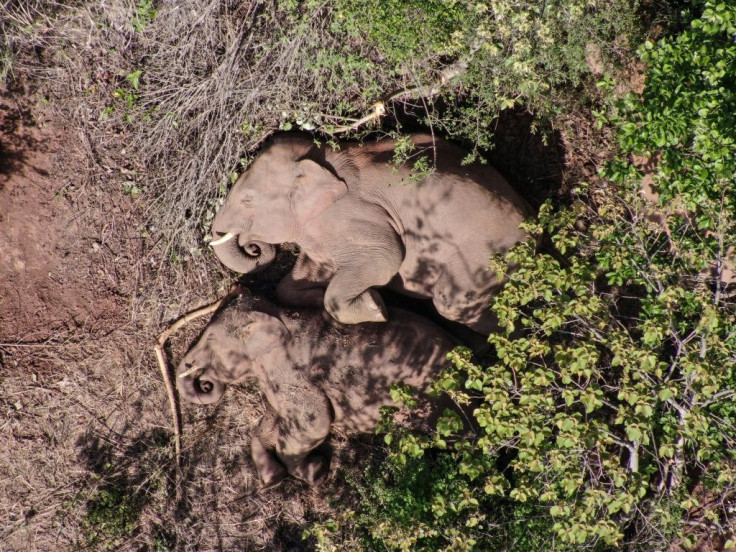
[313, 372]
[361, 222]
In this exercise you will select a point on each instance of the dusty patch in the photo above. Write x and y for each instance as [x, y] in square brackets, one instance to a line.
[60, 275]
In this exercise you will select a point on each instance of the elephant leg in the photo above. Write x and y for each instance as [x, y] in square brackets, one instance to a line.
[298, 422]
[313, 469]
[472, 309]
[366, 306]
[297, 293]
[305, 285]
[270, 471]
[350, 298]
[298, 435]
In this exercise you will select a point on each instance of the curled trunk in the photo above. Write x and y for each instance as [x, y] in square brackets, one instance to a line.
[200, 389]
[244, 256]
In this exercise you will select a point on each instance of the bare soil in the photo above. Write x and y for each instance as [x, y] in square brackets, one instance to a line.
[64, 272]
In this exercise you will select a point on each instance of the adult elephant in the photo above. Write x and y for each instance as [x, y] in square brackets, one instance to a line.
[361, 222]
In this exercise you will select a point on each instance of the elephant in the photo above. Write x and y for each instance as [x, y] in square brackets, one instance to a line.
[315, 374]
[361, 223]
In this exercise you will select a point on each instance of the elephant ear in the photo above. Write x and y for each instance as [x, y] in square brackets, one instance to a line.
[315, 190]
[262, 334]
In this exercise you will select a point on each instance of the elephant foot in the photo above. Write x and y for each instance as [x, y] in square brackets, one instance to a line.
[270, 471]
[271, 475]
[366, 307]
[313, 470]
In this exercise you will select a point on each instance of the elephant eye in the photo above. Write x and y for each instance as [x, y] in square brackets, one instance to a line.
[248, 199]
[252, 249]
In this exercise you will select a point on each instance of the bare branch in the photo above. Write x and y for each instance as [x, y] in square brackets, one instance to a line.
[378, 109]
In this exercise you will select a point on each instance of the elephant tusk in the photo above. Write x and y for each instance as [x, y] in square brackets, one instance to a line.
[223, 239]
[189, 372]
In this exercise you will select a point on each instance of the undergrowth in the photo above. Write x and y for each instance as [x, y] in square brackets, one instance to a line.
[195, 91]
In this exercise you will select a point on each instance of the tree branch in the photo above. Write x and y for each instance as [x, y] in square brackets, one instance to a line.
[378, 109]
[161, 359]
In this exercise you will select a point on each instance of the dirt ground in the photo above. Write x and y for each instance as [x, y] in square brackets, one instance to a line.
[63, 271]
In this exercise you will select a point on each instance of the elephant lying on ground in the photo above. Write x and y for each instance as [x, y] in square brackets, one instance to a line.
[361, 222]
[314, 373]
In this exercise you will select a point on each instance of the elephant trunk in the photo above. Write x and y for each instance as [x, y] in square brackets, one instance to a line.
[241, 255]
[199, 389]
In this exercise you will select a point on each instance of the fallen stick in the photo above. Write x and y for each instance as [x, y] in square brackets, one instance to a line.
[28, 345]
[161, 358]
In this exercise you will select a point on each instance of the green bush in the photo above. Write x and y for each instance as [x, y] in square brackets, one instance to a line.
[422, 504]
[616, 396]
[688, 114]
[502, 54]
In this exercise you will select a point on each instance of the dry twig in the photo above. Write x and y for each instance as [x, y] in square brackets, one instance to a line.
[22, 345]
[378, 109]
[161, 358]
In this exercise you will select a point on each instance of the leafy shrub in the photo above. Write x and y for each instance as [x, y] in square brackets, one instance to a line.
[504, 53]
[688, 114]
[616, 396]
[421, 503]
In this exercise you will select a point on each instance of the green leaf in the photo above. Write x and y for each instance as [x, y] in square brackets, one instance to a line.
[133, 78]
[633, 433]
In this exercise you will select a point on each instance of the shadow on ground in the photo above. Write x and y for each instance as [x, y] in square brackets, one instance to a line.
[14, 142]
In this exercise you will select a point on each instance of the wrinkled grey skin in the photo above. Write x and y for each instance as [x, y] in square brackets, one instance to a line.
[314, 373]
[361, 223]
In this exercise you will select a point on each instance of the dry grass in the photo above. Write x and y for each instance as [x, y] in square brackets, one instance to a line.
[215, 80]
[89, 462]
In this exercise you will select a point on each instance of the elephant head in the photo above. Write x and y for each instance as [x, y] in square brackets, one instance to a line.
[231, 346]
[270, 204]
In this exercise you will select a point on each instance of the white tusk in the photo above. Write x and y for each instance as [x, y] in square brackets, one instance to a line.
[189, 372]
[223, 239]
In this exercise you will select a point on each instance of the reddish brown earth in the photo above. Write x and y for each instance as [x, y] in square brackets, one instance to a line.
[61, 276]
[86, 454]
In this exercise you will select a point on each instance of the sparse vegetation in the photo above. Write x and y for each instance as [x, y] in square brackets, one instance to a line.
[110, 516]
[608, 422]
